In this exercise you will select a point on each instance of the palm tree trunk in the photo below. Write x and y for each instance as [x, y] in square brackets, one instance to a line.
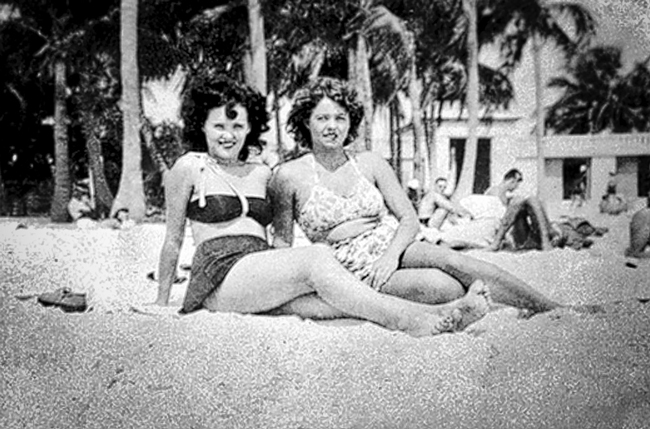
[466, 182]
[431, 148]
[419, 139]
[59, 208]
[282, 152]
[365, 89]
[130, 193]
[359, 76]
[539, 111]
[103, 196]
[396, 139]
[3, 196]
[255, 67]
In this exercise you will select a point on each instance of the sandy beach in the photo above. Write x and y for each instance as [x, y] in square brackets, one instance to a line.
[112, 367]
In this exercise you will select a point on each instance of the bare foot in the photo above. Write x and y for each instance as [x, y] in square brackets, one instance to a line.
[429, 324]
[473, 306]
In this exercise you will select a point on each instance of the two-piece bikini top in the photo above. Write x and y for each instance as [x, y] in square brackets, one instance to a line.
[216, 208]
[325, 209]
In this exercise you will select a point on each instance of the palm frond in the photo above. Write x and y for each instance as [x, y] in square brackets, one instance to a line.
[162, 98]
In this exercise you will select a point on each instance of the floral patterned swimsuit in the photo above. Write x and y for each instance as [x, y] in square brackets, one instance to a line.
[325, 209]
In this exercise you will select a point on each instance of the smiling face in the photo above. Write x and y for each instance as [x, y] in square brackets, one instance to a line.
[329, 124]
[225, 131]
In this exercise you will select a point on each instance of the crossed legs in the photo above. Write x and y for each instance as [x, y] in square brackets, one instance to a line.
[433, 274]
[264, 281]
[504, 287]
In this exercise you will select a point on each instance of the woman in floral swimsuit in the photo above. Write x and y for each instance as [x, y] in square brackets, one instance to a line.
[224, 198]
[354, 203]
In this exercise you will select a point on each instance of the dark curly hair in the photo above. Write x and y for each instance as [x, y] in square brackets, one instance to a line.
[204, 94]
[309, 96]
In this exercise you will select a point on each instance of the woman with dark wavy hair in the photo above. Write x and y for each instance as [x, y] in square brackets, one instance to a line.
[234, 269]
[355, 204]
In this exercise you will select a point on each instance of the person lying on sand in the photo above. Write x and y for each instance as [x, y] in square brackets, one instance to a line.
[234, 269]
[639, 235]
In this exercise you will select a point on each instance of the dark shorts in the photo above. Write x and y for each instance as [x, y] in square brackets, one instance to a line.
[212, 261]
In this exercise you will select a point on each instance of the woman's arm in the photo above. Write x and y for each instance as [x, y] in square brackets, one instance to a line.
[282, 193]
[399, 204]
[178, 189]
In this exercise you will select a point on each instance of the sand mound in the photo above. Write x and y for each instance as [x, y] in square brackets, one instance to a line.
[114, 368]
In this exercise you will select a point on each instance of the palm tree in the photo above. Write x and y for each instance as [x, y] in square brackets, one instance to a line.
[130, 193]
[59, 27]
[466, 182]
[256, 70]
[598, 96]
[441, 39]
[515, 22]
[357, 39]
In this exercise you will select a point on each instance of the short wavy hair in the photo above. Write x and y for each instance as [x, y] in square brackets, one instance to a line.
[309, 96]
[204, 94]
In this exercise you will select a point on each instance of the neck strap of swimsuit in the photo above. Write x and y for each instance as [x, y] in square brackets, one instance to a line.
[217, 170]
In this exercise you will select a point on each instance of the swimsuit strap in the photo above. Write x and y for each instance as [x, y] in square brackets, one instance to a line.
[353, 161]
[313, 168]
[347, 155]
[215, 168]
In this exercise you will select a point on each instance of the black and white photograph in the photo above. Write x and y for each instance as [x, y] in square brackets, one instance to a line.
[325, 214]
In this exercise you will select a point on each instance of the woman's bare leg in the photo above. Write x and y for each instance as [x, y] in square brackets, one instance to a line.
[471, 306]
[265, 280]
[504, 287]
[309, 306]
[425, 285]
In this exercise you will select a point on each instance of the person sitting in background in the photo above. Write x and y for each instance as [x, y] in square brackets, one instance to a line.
[120, 220]
[436, 207]
[579, 188]
[612, 203]
[639, 235]
[524, 217]
[499, 220]
[81, 207]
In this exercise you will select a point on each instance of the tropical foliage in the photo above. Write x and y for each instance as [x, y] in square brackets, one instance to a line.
[597, 95]
[387, 47]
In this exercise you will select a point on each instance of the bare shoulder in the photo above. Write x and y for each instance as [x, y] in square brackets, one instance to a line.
[188, 160]
[296, 169]
[185, 167]
[289, 175]
[262, 170]
[370, 158]
[373, 164]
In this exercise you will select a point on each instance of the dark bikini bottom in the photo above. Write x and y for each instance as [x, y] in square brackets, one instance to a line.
[212, 261]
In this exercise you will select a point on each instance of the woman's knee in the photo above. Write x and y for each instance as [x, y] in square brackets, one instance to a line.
[316, 257]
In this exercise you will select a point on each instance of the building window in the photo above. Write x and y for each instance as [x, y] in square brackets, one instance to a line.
[576, 178]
